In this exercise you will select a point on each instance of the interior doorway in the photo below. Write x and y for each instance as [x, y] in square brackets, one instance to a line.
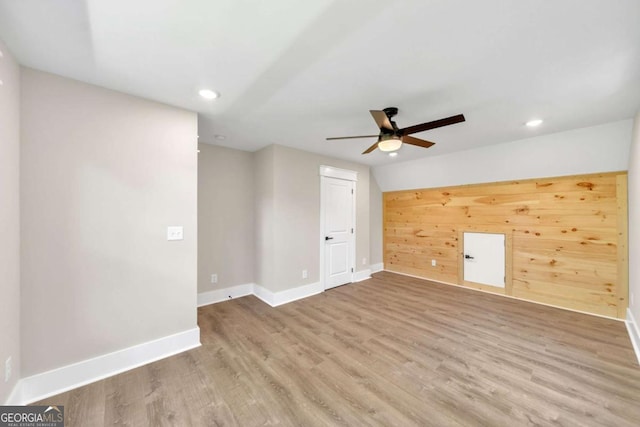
[337, 226]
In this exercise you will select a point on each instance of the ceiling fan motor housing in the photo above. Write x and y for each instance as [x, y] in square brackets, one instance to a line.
[390, 111]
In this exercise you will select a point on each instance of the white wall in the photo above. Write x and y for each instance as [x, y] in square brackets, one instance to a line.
[9, 219]
[634, 224]
[102, 176]
[225, 217]
[601, 148]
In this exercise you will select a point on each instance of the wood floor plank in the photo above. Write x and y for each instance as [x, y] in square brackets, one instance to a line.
[392, 350]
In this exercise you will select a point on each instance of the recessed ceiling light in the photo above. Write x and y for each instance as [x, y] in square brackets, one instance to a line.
[220, 137]
[209, 94]
[394, 154]
[533, 123]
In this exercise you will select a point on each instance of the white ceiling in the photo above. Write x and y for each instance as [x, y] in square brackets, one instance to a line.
[294, 72]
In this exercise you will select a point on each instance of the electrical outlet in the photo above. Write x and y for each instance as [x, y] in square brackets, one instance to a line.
[433, 263]
[175, 233]
[364, 261]
[7, 369]
[305, 274]
[214, 278]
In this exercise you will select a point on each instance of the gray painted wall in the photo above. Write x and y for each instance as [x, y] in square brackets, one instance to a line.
[634, 225]
[102, 176]
[296, 216]
[264, 211]
[376, 224]
[225, 217]
[274, 194]
[9, 219]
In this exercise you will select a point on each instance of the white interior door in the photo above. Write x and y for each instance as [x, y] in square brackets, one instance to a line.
[484, 258]
[338, 230]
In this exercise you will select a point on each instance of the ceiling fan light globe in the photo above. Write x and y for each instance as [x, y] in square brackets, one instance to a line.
[391, 144]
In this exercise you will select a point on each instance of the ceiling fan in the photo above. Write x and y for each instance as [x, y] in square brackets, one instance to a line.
[391, 137]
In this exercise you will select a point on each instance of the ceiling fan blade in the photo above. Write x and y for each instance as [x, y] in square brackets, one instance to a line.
[370, 149]
[432, 125]
[381, 119]
[417, 141]
[352, 137]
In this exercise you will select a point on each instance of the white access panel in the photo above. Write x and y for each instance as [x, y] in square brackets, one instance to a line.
[484, 258]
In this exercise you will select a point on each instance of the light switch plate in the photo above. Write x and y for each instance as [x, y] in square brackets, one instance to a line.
[175, 233]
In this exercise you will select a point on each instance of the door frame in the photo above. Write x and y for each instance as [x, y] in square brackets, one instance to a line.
[347, 175]
[508, 258]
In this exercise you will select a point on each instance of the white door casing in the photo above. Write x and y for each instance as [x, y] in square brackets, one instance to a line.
[484, 258]
[337, 217]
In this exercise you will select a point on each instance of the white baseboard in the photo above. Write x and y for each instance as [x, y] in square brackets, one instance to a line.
[361, 275]
[275, 299]
[634, 333]
[264, 294]
[50, 383]
[219, 295]
[377, 267]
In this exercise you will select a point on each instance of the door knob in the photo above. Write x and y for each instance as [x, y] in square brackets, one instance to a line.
[467, 256]
[328, 238]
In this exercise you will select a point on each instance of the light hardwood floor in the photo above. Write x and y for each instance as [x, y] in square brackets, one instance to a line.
[392, 351]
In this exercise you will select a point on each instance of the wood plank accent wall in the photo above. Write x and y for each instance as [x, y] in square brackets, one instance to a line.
[568, 237]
